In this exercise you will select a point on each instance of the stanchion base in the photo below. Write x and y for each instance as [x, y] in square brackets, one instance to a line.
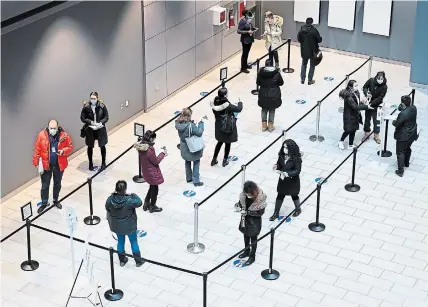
[195, 249]
[92, 220]
[384, 153]
[178, 146]
[314, 138]
[31, 265]
[138, 179]
[352, 187]
[288, 70]
[254, 92]
[113, 296]
[316, 227]
[270, 274]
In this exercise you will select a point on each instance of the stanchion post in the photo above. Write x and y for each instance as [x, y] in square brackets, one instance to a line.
[413, 96]
[284, 136]
[370, 67]
[196, 247]
[204, 289]
[256, 91]
[270, 274]
[352, 187]
[317, 226]
[113, 294]
[384, 152]
[243, 167]
[223, 84]
[139, 178]
[29, 265]
[317, 137]
[91, 219]
[288, 70]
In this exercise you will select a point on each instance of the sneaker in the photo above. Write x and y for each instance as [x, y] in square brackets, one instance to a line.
[297, 212]
[225, 162]
[399, 173]
[311, 82]
[351, 147]
[341, 145]
[199, 184]
[123, 260]
[146, 205]
[214, 162]
[42, 208]
[302, 81]
[154, 208]
[57, 204]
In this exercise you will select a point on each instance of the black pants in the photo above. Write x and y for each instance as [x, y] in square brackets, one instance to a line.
[404, 152]
[351, 137]
[369, 115]
[253, 240]
[152, 194]
[46, 181]
[90, 152]
[226, 150]
[244, 57]
[282, 197]
[273, 55]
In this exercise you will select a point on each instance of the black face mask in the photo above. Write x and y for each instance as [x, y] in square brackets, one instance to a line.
[401, 107]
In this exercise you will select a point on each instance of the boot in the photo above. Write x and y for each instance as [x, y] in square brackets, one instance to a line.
[91, 166]
[225, 162]
[400, 164]
[278, 204]
[298, 209]
[245, 254]
[103, 167]
[407, 156]
[271, 127]
[277, 65]
[252, 257]
[377, 138]
[122, 259]
[138, 260]
[365, 137]
[214, 161]
[154, 208]
[264, 126]
[146, 205]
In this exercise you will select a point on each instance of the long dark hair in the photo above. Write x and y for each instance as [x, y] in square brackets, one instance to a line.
[293, 151]
[251, 188]
[348, 90]
[149, 135]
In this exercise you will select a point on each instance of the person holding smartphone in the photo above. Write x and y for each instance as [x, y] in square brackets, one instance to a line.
[246, 29]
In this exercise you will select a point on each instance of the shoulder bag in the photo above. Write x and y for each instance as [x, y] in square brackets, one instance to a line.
[195, 143]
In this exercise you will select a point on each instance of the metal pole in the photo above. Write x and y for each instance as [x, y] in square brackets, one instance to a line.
[288, 70]
[139, 178]
[256, 91]
[317, 226]
[29, 265]
[113, 294]
[243, 167]
[196, 247]
[384, 152]
[204, 289]
[284, 136]
[317, 137]
[91, 219]
[352, 187]
[370, 67]
[413, 96]
[271, 274]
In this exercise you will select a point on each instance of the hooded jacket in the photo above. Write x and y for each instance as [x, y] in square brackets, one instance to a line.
[309, 39]
[186, 129]
[378, 91]
[405, 125]
[121, 214]
[273, 32]
[220, 107]
[150, 163]
[351, 110]
[269, 79]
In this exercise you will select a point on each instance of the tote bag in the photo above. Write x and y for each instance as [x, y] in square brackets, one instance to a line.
[195, 143]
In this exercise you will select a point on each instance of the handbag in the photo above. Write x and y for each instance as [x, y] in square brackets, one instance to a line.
[83, 131]
[318, 57]
[195, 143]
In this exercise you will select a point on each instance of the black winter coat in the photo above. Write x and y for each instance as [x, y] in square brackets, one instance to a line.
[405, 125]
[351, 111]
[100, 116]
[220, 107]
[269, 79]
[309, 39]
[378, 91]
[121, 214]
[289, 185]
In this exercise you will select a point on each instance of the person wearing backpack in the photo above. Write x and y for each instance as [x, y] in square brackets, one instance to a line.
[225, 124]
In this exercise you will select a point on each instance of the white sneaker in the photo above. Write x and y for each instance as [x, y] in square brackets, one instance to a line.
[350, 147]
[341, 145]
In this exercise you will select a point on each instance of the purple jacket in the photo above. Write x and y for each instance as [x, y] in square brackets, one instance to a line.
[150, 164]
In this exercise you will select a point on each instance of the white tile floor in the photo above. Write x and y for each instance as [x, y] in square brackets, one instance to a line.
[373, 252]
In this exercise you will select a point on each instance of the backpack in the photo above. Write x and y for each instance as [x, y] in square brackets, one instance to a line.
[227, 123]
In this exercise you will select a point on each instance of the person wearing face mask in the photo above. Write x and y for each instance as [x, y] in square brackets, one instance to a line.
[405, 133]
[246, 29]
[252, 202]
[269, 79]
[95, 116]
[289, 166]
[150, 169]
[53, 146]
[374, 90]
[272, 35]
[225, 124]
[352, 105]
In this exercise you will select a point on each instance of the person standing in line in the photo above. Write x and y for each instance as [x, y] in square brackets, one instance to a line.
[122, 219]
[187, 128]
[246, 29]
[225, 124]
[272, 35]
[405, 133]
[252, 202]
[352, 105]
[53, 146]
[374, 90]
[95, 116]
[269, 79]
[150, 169]
[289, 166]
[309, 39]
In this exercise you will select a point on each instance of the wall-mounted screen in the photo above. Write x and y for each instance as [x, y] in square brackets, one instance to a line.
[377, 17]
[307, 8]
[341, 14]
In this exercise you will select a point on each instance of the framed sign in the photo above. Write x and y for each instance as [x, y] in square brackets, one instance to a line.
[26, 211]
[139, 130]
[223, 73]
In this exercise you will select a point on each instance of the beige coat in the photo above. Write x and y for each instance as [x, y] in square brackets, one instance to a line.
[273, 33]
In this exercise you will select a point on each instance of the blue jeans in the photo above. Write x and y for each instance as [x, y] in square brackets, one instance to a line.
[192, 175]
[121, 243]
[311, 69]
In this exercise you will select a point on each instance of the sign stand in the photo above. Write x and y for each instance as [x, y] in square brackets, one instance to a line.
[139, 132]
[383, 152]
[223, 76]
[26, 213]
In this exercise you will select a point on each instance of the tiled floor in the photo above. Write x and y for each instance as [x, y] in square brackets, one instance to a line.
[373, 252]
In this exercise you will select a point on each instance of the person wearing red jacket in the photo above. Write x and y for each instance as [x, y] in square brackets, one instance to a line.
[52, 148]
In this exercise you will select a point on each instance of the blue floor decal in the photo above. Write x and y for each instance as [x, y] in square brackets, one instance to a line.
[177, 112]
[204, 94]
[328, 78]
[281, 217]
[189, 193]
[240, 263]
[320, 179]
[300, 101]
[141, 233]
[233, 158]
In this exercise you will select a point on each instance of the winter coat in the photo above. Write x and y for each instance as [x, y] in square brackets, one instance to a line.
[378, 91]
[269, 79]
[309, 39]
[244, 26]
[100, 116]
[42, 149]
[289, 185]
[251, 222]
[351, 111]
[150, 163]
[184, 132]
[273, 33]
[121, 214]
[220, 107]
[405, 125]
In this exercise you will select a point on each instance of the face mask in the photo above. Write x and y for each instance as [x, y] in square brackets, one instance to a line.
[53, 131]
[249, 196]
[271, 21]
[355, 89]
[250, 20]
[93, 101]
[401, 107]
[379, 81]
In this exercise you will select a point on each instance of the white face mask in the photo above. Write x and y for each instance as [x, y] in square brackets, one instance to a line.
[53, 131]
[285, 150]
[249, 20]
[355, 88]
[379, 80]
[93, 101]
